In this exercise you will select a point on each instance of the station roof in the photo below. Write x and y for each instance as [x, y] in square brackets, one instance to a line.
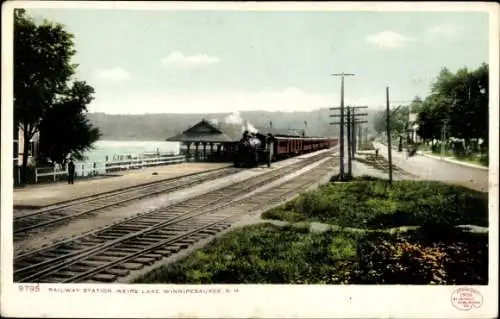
[209, 132]
[205, 131]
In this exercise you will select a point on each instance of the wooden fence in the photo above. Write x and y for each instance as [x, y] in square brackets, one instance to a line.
[98, 168]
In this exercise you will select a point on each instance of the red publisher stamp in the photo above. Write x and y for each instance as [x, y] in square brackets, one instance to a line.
[466, 298]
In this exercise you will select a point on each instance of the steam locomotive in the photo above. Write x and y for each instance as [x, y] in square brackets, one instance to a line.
[256, 148]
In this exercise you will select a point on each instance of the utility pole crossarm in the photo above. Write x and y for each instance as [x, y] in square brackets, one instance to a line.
[359, 107]
[357, 122]
[342, 75]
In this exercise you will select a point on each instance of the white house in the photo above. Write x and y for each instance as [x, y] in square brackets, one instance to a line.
[18, 151]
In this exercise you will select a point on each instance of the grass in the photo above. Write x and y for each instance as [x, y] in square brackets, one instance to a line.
[263, 254]
[271, 254]
[372, 204]
[434, 253]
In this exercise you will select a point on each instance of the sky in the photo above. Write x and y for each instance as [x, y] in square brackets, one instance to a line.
[159, 61]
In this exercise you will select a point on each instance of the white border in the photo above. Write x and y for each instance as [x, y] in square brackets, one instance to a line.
[251, 300]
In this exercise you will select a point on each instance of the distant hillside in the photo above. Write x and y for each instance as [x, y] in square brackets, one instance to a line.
[160, 126]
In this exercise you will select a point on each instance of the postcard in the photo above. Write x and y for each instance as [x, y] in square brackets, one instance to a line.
[249, 159]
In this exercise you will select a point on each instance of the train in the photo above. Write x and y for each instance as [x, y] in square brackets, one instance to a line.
[256, 148]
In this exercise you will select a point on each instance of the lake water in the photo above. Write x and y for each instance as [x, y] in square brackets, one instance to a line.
[113, 149]
[116, 149]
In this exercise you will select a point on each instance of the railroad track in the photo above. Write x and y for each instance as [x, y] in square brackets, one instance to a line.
[116, 250]
[80, 207]
[381, 164]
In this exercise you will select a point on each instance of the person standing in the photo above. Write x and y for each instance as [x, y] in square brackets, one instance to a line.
[71, 172]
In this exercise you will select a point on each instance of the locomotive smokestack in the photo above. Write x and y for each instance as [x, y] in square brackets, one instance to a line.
[249, 127]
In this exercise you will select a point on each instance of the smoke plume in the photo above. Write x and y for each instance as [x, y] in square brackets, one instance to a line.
[235, 119]
[250, 128]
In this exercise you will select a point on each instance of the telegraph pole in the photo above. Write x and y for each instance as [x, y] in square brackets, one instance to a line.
[351, 122]
[341, 142]
[349, 142]
[360, 136]
[355, 121]
[388, 126]
[353, 132]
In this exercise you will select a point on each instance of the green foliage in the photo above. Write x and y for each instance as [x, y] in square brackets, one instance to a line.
[270, 254]
[371, 204]
[416, 105]
[400, 262]
[430, 256]
[398, 120]
[265, 254]
[42, 67]
[458, 151]
[42, 96]
[435, 253]
[399, 117]
[65, 128]
[461, 98]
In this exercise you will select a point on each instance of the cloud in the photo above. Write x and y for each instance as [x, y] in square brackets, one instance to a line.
[388, 39]
[114, 74]
[443, 31]
[286, 100]
[177, 59]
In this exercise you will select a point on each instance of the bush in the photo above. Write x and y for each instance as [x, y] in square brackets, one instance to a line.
[288, 255]
[458, 149]
[400, 262]
[484, 159]
[466, 260]
[451, 257]
[436, 147]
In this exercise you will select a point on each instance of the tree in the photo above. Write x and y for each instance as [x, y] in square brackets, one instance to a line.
[479, 84]
[42, 71]
[379, 122]
[429, 119]
[461, 100]
[65, 128]
[398, 120]
[42, 67]
[416, 105]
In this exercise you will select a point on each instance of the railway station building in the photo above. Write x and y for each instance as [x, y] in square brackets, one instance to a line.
[208, 141]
